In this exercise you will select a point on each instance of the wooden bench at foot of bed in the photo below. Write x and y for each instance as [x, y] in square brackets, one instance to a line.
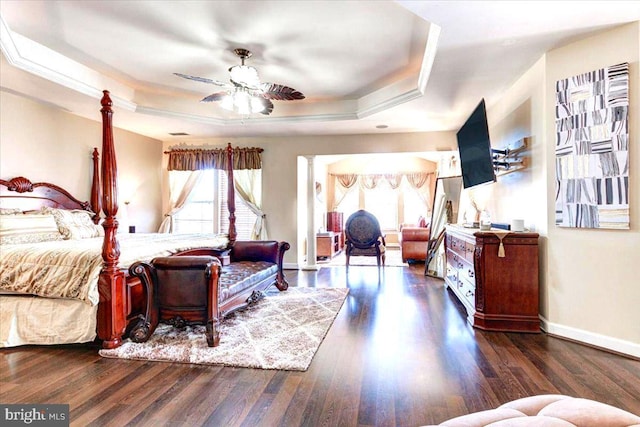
[193, 289]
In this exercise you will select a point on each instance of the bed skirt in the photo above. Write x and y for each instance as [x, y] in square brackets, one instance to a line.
[33, 320]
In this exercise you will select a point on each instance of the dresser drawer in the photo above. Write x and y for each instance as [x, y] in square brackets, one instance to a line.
[467, 272]
[467, 291]
[451, 275]
[455, 260]
[469, 251]
[458, 246]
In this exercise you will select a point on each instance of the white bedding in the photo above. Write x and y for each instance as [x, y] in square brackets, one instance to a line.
[64, 276]
[70, 268]
[34, 320]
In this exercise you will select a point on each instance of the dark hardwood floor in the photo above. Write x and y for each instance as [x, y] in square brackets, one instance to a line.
[398, 354]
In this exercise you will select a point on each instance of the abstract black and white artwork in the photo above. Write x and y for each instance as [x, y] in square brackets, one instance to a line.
[592, 149]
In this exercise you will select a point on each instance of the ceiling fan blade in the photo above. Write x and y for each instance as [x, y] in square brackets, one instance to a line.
[280, 92]
[202, 79]
[214, 97]
[268, 107]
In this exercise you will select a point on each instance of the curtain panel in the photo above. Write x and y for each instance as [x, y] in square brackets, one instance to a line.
[182, 184]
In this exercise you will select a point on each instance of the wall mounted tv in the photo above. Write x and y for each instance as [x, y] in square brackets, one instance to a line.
[474, 145]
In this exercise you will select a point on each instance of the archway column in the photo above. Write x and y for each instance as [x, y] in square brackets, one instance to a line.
[311, 259]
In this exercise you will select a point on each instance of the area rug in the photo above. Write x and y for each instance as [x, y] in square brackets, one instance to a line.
[282, 331]
[393, 259]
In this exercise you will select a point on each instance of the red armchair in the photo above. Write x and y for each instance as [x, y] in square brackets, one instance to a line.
[413, 242]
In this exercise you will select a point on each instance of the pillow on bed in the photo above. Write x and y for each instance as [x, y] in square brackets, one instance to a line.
[75, 224]
[28, 228]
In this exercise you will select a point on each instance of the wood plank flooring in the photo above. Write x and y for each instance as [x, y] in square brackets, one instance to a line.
[398, 354]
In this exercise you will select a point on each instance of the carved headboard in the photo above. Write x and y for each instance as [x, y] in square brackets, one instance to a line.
[21, 193]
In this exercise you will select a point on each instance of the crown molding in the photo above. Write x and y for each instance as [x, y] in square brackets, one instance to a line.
[43, 62]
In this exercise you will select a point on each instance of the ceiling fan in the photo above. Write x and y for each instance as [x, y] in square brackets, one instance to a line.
[245, 94]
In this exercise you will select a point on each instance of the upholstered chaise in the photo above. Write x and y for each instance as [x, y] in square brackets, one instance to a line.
[549, 410]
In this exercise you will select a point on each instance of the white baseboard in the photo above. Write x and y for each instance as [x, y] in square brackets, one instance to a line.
[597, 340]
[290, 266]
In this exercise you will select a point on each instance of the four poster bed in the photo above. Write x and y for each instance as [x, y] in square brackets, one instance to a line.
[78, 287]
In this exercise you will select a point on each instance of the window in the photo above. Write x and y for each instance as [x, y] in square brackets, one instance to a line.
[206, 210]
[414, 205]
[198, 213]
[350, 203]
[245, 218]
[389, 206]
[382, 202]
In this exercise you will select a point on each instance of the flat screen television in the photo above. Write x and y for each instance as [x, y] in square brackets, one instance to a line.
[474, 145]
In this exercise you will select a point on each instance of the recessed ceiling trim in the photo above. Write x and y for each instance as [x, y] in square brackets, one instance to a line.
[429, 55]
[177, 115]
[41, 61]
[246, 121]
[389, 103]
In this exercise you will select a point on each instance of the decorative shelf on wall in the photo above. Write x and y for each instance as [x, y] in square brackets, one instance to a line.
[511, 159]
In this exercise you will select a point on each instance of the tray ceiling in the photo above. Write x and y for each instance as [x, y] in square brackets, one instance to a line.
[413, 66]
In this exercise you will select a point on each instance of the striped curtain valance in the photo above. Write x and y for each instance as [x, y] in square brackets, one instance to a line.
[182, 159]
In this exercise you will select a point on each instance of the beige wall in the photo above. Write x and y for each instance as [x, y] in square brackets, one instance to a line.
[593, 283]
[44, 143]
[590, 289]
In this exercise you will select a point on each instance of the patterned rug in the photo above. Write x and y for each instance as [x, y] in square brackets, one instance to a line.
[281, 331]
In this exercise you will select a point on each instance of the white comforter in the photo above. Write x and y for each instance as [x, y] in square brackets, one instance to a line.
[70, 268]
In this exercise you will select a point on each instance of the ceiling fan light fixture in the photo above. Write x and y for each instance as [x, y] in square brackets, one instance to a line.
[245, 75]
[227, 102]
[242, 102]
[245, 94]
[257, 105]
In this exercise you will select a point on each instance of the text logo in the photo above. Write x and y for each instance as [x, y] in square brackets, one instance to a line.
[49, 415]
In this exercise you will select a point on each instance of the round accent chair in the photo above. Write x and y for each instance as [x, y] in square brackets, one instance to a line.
[364, 237]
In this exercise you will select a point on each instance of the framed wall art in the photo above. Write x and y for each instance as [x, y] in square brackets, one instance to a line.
[592, 149]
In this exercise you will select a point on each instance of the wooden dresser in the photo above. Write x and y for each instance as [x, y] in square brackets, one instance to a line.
[500, 293]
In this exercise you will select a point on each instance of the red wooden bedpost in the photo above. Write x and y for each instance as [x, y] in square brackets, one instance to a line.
[231, 197]
[95, 186]
[111, 285]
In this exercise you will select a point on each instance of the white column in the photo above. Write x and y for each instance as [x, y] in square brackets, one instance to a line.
[311, 216]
